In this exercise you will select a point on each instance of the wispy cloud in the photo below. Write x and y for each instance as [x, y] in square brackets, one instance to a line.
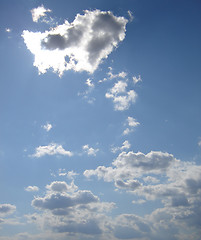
[84, 42]
[47, 127]
[32, 189]
[7, 209]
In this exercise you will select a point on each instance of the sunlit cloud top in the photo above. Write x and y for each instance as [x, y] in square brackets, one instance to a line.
[80, 45]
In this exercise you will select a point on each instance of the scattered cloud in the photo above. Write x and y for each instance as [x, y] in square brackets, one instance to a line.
[47, 127]
[7, 209]
[80, 45]
[51, 149]
[120, 97]
[118, 75]
[8, 30]
[39, 12]
[68, 174]
[137, 79]
[131, 124]
[32, 189]
[126, 145]
[89, 150]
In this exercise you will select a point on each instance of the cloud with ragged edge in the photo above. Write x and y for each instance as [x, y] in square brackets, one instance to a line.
[7, 209]
[80, 45]
[131, 123]
[39, 12]
[66, 209]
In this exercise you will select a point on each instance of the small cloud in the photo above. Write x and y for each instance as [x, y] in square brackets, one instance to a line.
[131, 123]
[89, 83]
[89, 150]
[59, 186]
[32, 189]
[126, 145]
[199, 143]
[119, 75]
[120, 97]
[140, 201]
[47, 127]
[51, 149]
[69, 174]
[136, 80]
[8, 30]
[39, 12]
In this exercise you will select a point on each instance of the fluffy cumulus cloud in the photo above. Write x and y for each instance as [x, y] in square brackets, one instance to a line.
[39, 12]
[120, 96]
[7, 209]
[89, 150]
[51, 149]
[66, 209]
[80, 45]
[156, 176]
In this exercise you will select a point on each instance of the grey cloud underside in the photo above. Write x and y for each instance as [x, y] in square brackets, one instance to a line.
[62, 201]
[80, 45]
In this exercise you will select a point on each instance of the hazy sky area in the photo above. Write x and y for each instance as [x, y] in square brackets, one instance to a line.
[100, 120]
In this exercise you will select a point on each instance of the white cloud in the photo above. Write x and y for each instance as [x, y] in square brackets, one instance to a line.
[128, 166]
[137, 79]
[119, 75]
[8, 30]
[39, 12]
[199, 143]
[89, 150]
[47, 127]
[7, 209]
[80, 45]
[120, 97]
[51, 149]
[126, 145]
[131, 123]
[59, 186]
[89, 83]
[32, 189]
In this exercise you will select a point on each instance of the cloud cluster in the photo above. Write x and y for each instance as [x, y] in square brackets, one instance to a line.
[156, 176]
[80, 45]
[89, 150]
[120, 96]
[51, 149]
[66, 209]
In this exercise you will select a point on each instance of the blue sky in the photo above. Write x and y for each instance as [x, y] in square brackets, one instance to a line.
[100, 134]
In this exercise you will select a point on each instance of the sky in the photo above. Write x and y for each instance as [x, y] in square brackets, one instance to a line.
[100, 120]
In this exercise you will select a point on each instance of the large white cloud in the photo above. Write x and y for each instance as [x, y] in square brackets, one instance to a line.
[80, 45]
